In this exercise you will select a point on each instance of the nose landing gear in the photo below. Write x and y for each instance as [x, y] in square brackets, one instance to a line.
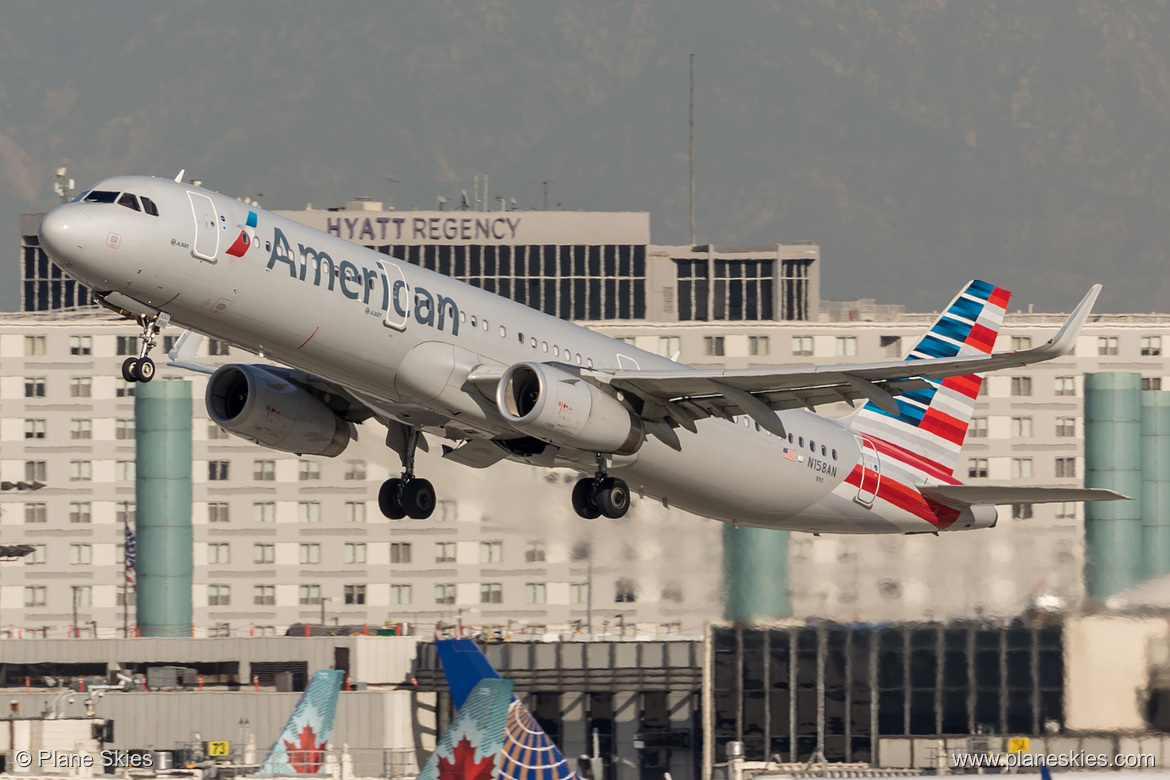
[601, 495]
[141, 368]
[407, 495]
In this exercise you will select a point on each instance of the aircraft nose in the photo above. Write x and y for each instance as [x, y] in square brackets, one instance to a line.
[64, 231]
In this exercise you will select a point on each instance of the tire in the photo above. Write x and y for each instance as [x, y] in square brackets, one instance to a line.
[144, 370]
[418, 498]
[613, 497]
[130, 369]
[583, 502]
[390, 499]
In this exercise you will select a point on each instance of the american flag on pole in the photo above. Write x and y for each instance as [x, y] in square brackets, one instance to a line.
[131, 556]
[790, 454]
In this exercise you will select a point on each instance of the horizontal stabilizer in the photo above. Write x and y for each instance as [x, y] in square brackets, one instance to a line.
[970, 495]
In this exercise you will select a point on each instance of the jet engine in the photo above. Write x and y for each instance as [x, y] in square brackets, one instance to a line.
[561, 408]
[259, 405]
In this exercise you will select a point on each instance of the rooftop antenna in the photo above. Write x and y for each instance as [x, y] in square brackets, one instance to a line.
[465, 202]
[442, 199]
[692, 122]
[63, 186]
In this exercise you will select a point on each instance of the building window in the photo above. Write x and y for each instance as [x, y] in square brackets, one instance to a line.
[123, 429]
[444, 552]
[219, 595]
[34, 346]
[127, 345]
[37, 556]
[309, 594]
[1021, 427]
[669, 346]
[1151, 383]
[309, 469]
[400, 552]
[1066, 510]
[264, 512]
[123, 389]
[1107, 345]
[1021, 343]
[34, 387]
[34, 429]
[491, 552]
[445, 594]
[355, 594]
[759, 346]
[217, 348]
[34, 471]
[125, 512]
[400, 594]
[264, 470]
[80, 512]
[1021, 511]
[579, 593]
[535, 593]
[81, 345]
[491, 593]
[977, 468]
[978, 428]
[445, 512]
[264, 595]
[1066, 427]
[217, 470]
[124, 471]
[1022, 385]
[713, 346]
[1066, 467]
[308, 512]
[802, 346]
[83, 595]
[34, 595]
[215, 432]
[846, 346]
[218, 512]
[355, 552]
[310, 553]
[36, 512]
[263, 552]
[355, 469]
[80, 471]
[534, 552]
[672, 591]
[1066, 385]
[625, 591]
[219, 553]
[1021, 468]
[1151, 346]
[355, 511]
[81, 387]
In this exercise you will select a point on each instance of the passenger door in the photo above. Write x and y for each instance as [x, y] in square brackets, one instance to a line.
[871, 473]
[206, 244]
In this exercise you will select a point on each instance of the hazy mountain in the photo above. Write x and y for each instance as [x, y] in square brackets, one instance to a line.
[920, 143]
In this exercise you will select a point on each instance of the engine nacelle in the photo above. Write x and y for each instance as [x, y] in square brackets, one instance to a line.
[562, 408]
[261, 406]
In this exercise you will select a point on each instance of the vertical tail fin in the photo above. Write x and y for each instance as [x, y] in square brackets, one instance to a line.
[472, 746]
[528, 753]
[300, 747]
[933, 422]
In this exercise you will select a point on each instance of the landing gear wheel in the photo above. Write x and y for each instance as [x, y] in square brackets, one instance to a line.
[613, 497]
[130, 369]
[583, 502]
[390, 499]
[144, 371]
[418, 498]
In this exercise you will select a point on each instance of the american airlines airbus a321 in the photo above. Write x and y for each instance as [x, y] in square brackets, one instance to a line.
[363, 335]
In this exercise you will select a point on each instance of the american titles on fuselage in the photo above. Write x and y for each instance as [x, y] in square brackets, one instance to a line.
[359, 283]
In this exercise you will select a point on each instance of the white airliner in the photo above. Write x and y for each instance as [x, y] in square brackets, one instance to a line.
[363, 335]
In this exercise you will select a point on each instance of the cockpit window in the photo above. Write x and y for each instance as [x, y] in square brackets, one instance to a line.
[149, 207]
[81, 197]
[101, 196]
[129, 200]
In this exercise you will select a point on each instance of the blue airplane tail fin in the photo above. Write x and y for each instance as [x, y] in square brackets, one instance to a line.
[473, 745]
[528, 753]
[300, 747]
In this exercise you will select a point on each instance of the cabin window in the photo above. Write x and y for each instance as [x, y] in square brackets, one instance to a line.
[556, 351]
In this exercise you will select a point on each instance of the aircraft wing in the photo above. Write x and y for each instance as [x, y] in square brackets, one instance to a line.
[685, 395]
[970, 495]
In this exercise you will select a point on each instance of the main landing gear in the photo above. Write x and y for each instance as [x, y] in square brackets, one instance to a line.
[601, 495]
[141, 368]
[407, 495]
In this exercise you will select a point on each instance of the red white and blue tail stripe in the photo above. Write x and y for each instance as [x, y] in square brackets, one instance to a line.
[933, 422]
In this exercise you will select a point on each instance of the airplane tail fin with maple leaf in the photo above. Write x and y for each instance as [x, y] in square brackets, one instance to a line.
[300, 747]
[471, 748]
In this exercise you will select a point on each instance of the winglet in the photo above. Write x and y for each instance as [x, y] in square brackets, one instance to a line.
[1066, 338]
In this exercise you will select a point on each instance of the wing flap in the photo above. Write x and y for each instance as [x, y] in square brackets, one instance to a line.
[970, 495]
